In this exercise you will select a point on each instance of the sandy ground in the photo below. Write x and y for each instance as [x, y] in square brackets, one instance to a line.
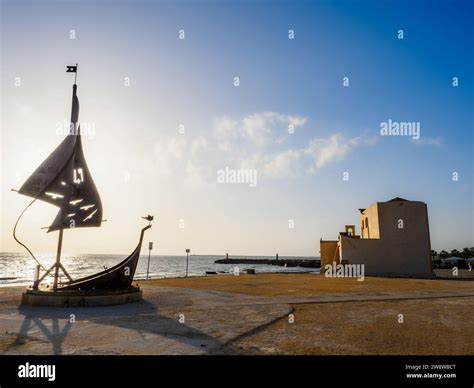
[435, 326]
[254, 314]
[304, 284]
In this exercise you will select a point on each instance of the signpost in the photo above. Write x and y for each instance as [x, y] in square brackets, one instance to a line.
[150, 247]
[187, 260]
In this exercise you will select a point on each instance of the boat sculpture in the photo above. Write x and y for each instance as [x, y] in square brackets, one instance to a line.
[64, 180]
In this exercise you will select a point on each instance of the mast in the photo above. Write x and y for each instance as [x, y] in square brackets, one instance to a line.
[74, 124]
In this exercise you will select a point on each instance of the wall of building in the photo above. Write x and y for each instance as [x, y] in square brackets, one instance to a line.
[372, 215]
[399, 251]
[329, 252]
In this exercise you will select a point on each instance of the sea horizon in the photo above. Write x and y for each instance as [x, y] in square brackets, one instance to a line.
[19, 268]
[172, 254]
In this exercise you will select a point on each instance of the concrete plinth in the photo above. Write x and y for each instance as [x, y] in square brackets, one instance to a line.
[88, 298]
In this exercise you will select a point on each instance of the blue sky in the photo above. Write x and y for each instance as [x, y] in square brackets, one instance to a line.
[141, 163]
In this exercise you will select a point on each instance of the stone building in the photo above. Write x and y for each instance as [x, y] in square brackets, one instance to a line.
[394, 240]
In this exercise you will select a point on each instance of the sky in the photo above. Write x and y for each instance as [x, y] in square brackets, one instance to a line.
[166, 116]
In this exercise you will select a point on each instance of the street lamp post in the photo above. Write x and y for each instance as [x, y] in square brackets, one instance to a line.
[150, 247]
[187, 260]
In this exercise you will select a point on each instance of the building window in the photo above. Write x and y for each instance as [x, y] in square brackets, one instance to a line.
[366, 222]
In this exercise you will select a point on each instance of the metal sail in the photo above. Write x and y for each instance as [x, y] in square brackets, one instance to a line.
[64, 180]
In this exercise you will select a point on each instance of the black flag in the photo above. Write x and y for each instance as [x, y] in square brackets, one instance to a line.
[71, 69]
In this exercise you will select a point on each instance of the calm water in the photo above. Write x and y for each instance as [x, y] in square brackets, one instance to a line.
[18, 268]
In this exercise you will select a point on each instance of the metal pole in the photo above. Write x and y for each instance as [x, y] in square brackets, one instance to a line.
[148, 266]
[150, 247]
[187, 260]
[37, 276]
[58, 259]
[187, 263]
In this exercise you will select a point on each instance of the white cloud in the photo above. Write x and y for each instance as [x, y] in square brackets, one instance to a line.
[225, 126]
[258, 128]
[253, 142]
[282, 164]
[254, 161]
[198, 145]
[175, 147]
[318, 153]
[334, 148]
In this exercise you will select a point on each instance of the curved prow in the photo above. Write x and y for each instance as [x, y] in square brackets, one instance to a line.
[118, 276]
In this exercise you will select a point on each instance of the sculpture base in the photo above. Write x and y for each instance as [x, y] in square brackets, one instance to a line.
[86, 298]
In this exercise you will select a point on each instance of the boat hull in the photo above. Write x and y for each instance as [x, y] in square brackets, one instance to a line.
[116, 277]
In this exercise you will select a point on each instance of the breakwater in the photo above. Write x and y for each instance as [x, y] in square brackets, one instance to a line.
[279, 262]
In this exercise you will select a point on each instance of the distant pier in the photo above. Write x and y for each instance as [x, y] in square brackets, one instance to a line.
[280, 262]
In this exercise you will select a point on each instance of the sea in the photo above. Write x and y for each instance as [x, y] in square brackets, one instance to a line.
[19, 268]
